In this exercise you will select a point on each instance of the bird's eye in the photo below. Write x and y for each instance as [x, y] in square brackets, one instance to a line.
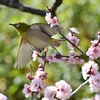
[17, 25]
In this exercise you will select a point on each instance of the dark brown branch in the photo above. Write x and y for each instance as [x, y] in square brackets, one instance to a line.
[55, 6]
[17, 5]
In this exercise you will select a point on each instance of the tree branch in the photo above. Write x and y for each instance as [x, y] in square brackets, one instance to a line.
[80, 87]
[55, 6]
[17, 5]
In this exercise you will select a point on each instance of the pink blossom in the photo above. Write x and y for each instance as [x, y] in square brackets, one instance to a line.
[54, 22]
[35, 55]
[74, 30]
[54, 58]
[72, 58]
[74, 40]
[40, 67]
[66, 59]
[49, 93]
[29, 76]
[2, 97]
[94, 82]
[27, 90]
[89, 68]
[71, 55]
[94, 43]
[40, 74]
[37, 85]
[94, 50]
[78, 60]
[63, 90]
[48, 18]
[97, 97]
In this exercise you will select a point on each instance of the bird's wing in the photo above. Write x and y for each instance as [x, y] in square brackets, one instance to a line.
[24, 54]
[45, 28]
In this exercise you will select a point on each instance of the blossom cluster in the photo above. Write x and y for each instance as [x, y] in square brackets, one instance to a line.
[37, 83]
[90, 69]
[71, 58]
[72, 38]
[52, 21]
[61, 90]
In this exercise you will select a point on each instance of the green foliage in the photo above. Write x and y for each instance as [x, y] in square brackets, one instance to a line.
[84, 15]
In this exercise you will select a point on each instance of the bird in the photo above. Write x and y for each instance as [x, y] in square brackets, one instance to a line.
[34, 37]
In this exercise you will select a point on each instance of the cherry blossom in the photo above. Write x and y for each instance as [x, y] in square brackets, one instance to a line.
[40, 74]
[94, 83]
[36, 82]
[97, 97]
[74, 40]
[73, 58]
[27, 90]
[37, 85]
[63, 90]
[49, 93]
[78, 60]
[55, 57]
[54, 22]
[94, 50]
[2, 97]
[89, 68]
[35, 55]
[48, 18]
[74, 30]
[29, 76]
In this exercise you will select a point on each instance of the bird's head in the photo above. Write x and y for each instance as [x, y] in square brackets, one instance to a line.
[21, 27]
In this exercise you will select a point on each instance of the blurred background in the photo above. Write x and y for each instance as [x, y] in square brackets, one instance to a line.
[82, 14]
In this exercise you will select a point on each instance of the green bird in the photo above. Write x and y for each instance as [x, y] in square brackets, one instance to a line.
[34, 37]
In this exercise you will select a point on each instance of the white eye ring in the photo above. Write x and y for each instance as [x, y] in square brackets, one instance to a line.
[17, 25]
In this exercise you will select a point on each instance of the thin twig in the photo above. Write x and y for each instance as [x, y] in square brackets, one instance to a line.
[79, 87]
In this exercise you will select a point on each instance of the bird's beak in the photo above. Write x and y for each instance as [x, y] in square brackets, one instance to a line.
[11, 24]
